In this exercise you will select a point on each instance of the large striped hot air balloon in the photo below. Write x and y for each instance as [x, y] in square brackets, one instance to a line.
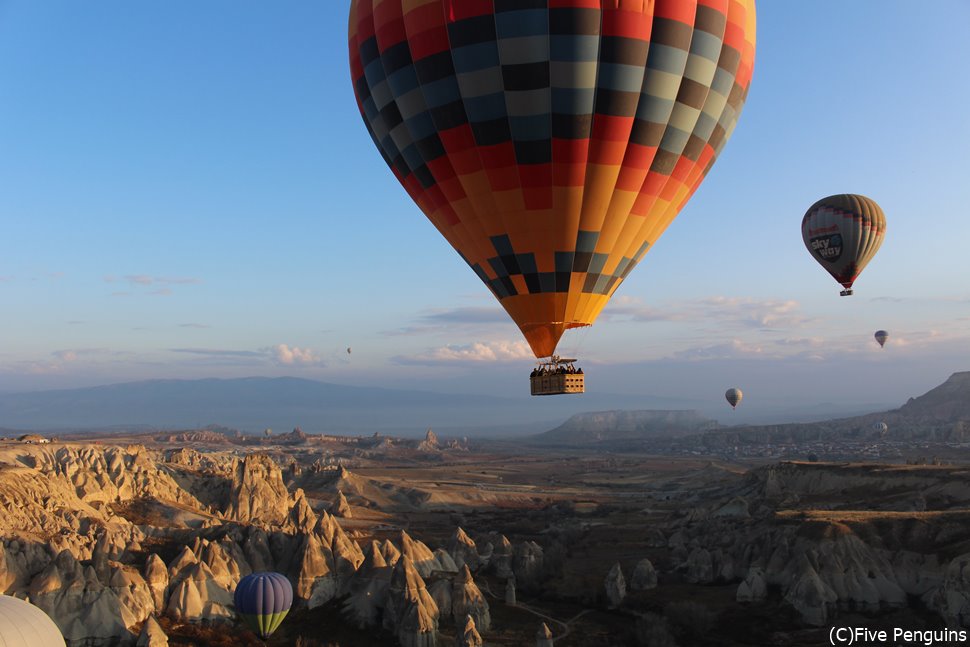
[263, 600]
[551, 141]
[843, 233]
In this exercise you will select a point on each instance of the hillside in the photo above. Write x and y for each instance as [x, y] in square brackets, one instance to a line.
[948, 402]
[607, 426]
[254, 403]
[940, 414]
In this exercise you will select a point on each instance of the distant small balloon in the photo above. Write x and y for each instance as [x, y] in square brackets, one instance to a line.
[733, 396]
[880, 427]
[881, 337]
[348, 350]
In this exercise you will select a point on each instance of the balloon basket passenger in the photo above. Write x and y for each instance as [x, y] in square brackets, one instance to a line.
[557, 376]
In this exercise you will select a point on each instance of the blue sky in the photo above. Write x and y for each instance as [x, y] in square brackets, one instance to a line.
[187, 190]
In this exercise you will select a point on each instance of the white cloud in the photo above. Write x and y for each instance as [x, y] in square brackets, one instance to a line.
[724, 311]
[160, 284]
[290, 355]
[145, 279]
[282, 354]
[470, 320]
[73, 354]
[483, 351]
[734, 349]
[218, 352]
[634, 309]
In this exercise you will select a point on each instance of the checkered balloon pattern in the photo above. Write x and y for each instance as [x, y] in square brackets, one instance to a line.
[551, 141]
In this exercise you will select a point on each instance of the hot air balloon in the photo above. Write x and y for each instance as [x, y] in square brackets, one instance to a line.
[550, 142]
[263, 600]
[880, 428]
[843, 232]
[881, 337]
[24, 625]
[733, 396]
[348, 350]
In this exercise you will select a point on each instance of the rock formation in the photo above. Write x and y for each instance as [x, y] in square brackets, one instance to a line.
[440, 590]
[196, 596]
[445, 562]
[501, 559]
[258, 493]
[527, 561]
[300, 518]
[367, 588]
[467, 600]
[316, 575]
[156, 576]
[952, 598]
[644, 576]
[391, 552]
[430, 442]
[753, 588]
[347, 555]
[419, 554]
[84, 607]
[341, 508]
[615, 586]
[810, 596]
[469, 636]
[462, 549]
[544, 636]
[410, 611]
[700, 567]
[152, 634]
[510, 591]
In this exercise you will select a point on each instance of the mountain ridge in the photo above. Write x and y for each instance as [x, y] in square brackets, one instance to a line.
[254, 403]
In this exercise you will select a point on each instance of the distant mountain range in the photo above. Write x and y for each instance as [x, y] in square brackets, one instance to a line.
[255, 403]
[608, 426]
[940, 414]
[943, 413]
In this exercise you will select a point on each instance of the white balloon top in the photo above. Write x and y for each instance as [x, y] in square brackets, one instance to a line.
[24, 625]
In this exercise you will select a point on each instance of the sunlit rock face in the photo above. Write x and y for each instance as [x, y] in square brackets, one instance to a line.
[87, 608]
[469, 636]
[467, 600]
[258, 493]
[341, 507]
[462, 549]
[152, 634]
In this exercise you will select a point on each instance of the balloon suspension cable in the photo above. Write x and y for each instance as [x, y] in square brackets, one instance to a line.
[575, 339]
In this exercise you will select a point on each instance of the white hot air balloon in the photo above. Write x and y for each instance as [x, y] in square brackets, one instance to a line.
[24, 625]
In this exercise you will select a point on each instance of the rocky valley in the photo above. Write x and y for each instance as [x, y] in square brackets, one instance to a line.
[140, 538]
